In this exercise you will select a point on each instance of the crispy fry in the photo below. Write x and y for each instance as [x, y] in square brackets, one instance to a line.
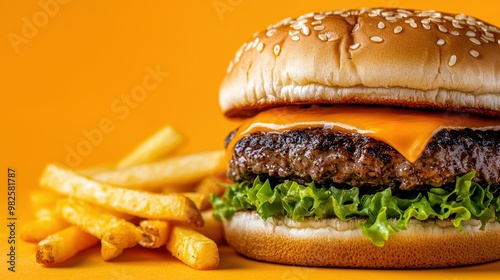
[200, 200]
[142, 204]
[46, 223]
[109, 228]
[109, 251]
[210, 185]
[62, 245]
[175, 170]
[212, 228]
[158, 145]
[193, 248]
[158, 228]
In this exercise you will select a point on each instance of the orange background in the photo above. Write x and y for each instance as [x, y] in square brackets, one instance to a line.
[72, 72]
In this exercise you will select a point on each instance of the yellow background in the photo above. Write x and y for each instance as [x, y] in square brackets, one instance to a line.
[69, 67]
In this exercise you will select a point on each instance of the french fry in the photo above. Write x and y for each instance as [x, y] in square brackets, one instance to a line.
[200, 200]
[193, 248]
[109, 228]
[210, 185]
[157, 228]
[142, 204]
[158, 145]
[109, 251]
[46, 223]
[62, 245]
[175, 170]
[212, 228]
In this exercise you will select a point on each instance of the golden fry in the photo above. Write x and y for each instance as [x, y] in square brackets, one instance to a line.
[212, 228]
[157, 228]
[142, 204]
[103, 225]
[210, 185]
[109, 251]
[46, 223]
[158, 145]
[193, 248]
[200, 200]
[175, 170]
[62, 245]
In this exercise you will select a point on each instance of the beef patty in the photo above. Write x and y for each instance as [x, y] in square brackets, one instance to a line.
[350, 159]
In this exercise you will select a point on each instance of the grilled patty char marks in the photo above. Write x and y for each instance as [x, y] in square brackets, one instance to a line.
[350, 159]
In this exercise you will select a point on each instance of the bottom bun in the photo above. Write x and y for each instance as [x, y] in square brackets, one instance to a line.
[336, 243]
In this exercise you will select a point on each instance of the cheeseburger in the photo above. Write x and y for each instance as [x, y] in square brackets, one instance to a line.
[371, 139]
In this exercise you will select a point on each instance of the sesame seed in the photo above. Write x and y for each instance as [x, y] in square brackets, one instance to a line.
[319, 17]
[470, 34]
[452, 61]
[475, 41]
[295, 38]
[413, 24]
[293, 32]
[398, 29]
[456, 24]
[271, 32]
[442, 28]
[498, 41]
[354, 46]
[305, 30]
[277, 50]
[260, 46]
[304, 17]
[381, 25]
[436, 14]
[355, 28]
[440, 42]
[319, 27]
[376, 39]
[425, 21]
[248, 47]
[425, 13]
[229, 67]
[317, 22]
[474, 53]
[426, 26]
[454, 32]
[488, 39]
[255, 42]
[322, 37]
[489, 34]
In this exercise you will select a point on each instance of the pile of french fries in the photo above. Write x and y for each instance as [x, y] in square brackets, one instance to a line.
[148, 199]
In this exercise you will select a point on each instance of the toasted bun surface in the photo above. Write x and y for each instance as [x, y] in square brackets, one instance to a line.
[416, 59]
[338, 243]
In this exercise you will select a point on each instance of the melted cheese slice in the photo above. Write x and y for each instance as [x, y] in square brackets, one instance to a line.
[407, 131]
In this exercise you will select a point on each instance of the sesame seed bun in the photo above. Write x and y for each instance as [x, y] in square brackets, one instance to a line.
[415, 59]
[337, 243]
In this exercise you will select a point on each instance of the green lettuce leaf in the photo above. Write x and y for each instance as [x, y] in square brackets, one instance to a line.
[289, 199]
